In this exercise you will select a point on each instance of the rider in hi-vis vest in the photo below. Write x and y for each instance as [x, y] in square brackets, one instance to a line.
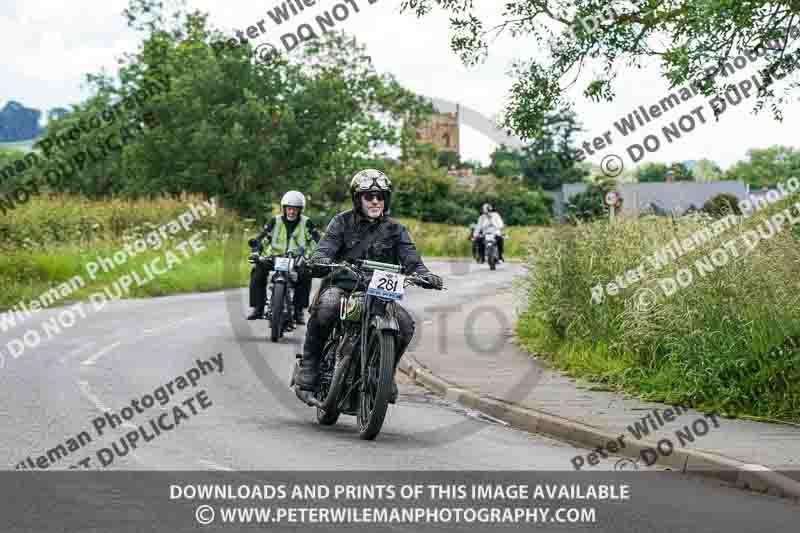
[280, 244]
[286, 232]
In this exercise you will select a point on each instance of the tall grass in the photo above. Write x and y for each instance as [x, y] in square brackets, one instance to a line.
[445, 240]
[51, 239]
[724, 343]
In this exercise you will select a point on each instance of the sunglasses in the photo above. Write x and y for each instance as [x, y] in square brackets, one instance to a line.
[370, 196]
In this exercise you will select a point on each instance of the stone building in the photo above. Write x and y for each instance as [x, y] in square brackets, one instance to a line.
[441, 131]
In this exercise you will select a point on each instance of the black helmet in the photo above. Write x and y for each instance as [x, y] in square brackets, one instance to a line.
[370, 180]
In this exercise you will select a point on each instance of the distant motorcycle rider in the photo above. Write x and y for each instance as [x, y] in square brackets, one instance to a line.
[491, 220]
[365, 232]
[285, 232]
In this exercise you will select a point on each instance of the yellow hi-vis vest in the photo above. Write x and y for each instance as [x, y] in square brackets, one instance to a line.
[300, 237]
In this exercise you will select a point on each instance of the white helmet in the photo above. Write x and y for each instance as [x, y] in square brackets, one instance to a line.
[293, 199]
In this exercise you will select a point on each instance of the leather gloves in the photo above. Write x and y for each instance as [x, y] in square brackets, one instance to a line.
[433, 280]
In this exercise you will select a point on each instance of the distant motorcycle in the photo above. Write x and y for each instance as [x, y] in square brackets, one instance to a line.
[280, 296]
[358, 357]
[490, 249]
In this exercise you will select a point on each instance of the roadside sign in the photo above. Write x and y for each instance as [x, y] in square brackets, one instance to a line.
[611, 198]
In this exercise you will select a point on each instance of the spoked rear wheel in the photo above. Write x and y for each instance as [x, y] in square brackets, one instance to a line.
[378, 379]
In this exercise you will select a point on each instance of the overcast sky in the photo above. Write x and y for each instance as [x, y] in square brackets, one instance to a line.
[51, 44]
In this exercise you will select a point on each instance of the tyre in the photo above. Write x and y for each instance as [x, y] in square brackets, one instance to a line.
[380, 370]
[492, 260]
[277, 317]
[327, 418]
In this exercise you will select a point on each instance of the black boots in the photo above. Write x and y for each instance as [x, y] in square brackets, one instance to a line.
[257, 314]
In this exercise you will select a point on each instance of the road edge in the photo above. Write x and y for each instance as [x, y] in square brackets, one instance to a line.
[754, 477]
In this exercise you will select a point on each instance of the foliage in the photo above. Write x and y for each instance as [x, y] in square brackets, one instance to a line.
[448, 159]
[50, 240]
[722, 205]
[506, 162]
[9, 156]
[651, 172]
[680, 172]
[706, 170]
[445, 240]
[599, 36]
[231, 126]
[657, 172]
[711, 345]
[589, 205]
[766, 167]
[551, 160]
[425, 192]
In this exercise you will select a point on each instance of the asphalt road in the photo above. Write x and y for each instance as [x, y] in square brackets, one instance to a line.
[248, 419]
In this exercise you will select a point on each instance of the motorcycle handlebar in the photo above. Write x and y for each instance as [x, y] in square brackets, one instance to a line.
[410, 279]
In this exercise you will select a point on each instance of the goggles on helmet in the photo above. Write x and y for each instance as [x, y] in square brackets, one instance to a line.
[366, 183]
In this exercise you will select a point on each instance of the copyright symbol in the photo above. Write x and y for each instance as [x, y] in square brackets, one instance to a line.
[265, 52]
[612, 165]
[626, 464]
[204, 515]
[645, 299]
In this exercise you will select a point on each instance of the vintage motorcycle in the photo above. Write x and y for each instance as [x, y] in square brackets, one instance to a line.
[358, 358]
[490, 248]
[280, 295]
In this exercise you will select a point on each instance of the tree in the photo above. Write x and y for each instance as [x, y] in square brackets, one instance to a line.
[598, 36]
[680, 172]
[448, 159]
[589, 205]
[506, 162]
[766, 167]
[551, 160]
[651, 172]
[722, 204]
[242, 129]
[706, 170]
[476, 166]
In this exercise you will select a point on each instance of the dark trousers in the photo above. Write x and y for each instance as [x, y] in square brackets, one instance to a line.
[259, 278]
[320, 323]
[481, 247]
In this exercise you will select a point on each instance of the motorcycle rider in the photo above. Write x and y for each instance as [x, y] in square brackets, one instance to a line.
[389, 242]
[491, 219]
[285, 232]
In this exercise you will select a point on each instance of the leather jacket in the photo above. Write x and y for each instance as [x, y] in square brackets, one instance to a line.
[347, 229]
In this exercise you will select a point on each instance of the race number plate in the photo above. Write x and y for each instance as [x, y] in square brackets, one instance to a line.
[387, 285]
[282, 264]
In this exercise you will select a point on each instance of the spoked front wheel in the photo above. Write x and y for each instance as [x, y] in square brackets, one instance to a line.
[378, 379]
[277, 317]
[328, 418]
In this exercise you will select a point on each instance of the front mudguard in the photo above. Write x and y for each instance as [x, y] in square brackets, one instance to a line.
[383, 323]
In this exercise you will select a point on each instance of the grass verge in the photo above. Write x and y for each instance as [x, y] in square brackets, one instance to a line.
[726, 342]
